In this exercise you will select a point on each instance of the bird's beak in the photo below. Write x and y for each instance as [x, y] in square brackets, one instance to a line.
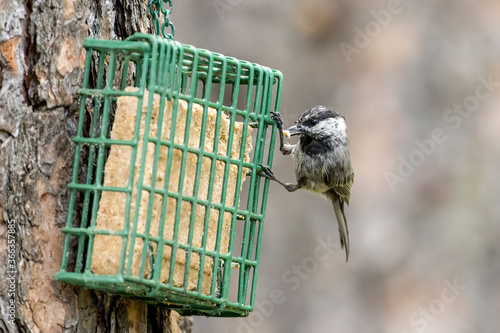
[296, 130]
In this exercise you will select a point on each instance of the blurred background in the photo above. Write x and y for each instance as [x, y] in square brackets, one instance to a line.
[417, 83]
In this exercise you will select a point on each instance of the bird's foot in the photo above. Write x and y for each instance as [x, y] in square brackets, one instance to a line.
[277, 119]
[265, 171]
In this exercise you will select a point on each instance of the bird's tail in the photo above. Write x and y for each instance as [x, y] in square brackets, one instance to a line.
[338, 208]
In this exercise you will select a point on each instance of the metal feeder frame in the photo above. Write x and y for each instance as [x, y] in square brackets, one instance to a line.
[165, 67]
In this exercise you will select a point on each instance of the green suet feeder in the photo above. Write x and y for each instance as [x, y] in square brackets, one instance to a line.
[166, 202]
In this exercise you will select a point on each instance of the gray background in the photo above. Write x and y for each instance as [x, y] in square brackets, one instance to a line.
[424, 251]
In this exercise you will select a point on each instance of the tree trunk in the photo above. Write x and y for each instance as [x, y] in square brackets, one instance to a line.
[41, 68]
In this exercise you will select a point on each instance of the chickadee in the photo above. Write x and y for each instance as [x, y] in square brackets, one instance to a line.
[321, 158]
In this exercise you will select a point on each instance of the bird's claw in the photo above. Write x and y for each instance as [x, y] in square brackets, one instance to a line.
[266, 172]
[277, 118]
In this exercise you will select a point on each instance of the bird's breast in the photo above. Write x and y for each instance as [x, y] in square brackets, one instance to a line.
[309, 171]
[315, 172]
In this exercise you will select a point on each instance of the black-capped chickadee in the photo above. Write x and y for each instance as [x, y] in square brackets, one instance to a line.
[322, 162]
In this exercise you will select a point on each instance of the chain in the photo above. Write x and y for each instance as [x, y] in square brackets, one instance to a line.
[156, 8]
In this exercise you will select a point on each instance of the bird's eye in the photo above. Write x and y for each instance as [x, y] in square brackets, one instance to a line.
[313, 121]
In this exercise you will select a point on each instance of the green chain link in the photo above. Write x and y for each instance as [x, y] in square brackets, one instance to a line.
[155, 8]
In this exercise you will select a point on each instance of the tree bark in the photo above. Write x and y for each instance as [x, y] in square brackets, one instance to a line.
[41, 68]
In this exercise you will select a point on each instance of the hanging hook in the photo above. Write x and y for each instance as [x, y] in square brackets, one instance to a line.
[164, 7]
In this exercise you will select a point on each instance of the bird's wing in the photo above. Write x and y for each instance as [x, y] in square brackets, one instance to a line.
[341, 185]
[343, 191]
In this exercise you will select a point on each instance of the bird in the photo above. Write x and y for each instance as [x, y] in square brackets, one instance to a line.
[322, 161]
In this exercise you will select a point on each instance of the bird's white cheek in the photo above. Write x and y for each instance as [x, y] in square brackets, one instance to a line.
[342, 125]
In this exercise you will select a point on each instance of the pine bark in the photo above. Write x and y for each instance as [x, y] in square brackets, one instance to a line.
[41, 68]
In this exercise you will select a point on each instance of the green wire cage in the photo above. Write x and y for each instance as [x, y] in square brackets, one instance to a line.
[166, 201]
